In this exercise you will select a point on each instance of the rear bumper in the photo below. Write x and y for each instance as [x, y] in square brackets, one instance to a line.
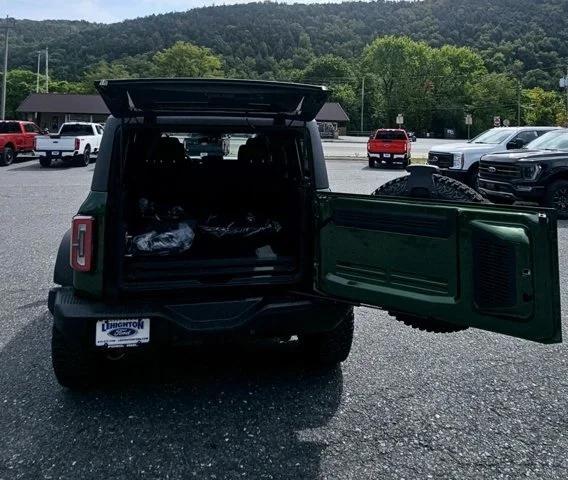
[388, 157]
[511, 192]
[76, 317]
[58, 155]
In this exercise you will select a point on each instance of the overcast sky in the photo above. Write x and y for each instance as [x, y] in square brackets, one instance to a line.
[106, 11]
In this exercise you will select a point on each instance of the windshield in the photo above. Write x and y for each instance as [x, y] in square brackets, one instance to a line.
[75, 129]
[492, 136]
[557, 140]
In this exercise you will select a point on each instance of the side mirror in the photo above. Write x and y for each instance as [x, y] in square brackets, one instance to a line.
[515, 144]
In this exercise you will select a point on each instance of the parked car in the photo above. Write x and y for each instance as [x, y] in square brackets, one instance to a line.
[16, 137]
[166, 252]
[202, 145]
[461, 160]
[412, 136]
[328, 130]
[75, 142]
[536, 173]
[388, 146]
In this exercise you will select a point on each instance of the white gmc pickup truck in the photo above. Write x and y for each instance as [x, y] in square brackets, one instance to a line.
[75, 142]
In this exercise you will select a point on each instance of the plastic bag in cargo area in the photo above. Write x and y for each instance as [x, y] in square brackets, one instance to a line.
[164, 241]
[245, 227]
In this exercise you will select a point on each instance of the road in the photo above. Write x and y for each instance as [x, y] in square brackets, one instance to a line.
[356, 147]
[406, 404]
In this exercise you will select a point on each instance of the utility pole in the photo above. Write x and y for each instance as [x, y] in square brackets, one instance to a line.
[567, 93]
[8, 24]
[38, 64]
[362, 101]
[46, 70]
[519, 90]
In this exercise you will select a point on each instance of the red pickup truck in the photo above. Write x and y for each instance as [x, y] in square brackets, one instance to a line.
[388, 146]
[16, 137]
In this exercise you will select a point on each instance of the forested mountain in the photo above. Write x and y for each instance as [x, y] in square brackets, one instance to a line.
[525, 38]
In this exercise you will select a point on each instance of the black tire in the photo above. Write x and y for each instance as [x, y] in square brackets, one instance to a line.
[556, 197]
[74, 368]
[473, 178]
[7, 157]
[85, 159]
[328, 349]
[45, 162]
[371, 163]
[445, 188]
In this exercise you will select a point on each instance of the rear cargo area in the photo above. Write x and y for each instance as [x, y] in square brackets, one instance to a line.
[234, 215]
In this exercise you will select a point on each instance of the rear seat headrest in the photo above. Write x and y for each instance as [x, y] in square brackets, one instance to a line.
[166, 152]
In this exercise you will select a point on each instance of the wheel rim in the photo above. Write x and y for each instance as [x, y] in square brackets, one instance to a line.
[8, 157]
[87, 157]
[560, 199]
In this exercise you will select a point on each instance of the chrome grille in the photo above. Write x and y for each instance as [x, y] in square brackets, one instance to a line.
[442, 160]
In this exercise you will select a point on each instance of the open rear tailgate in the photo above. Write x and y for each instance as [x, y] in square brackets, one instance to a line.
[182, 96]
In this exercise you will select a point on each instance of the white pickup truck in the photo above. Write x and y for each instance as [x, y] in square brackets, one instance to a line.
[75, 142]
[461, 160]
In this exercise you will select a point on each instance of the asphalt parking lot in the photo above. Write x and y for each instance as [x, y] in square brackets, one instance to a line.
[406, 405]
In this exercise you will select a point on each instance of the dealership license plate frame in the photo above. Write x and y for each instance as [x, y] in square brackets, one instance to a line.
[122, 332]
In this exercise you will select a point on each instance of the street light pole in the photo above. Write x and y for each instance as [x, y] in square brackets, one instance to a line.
[46, 70]
[38, 64]
[8, 24]
[362, 101]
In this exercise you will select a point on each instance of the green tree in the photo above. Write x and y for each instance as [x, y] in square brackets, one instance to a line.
[542, 107]
[19, 84]
[183, 59]
[494, 94]
[103, 71]
[399, 73]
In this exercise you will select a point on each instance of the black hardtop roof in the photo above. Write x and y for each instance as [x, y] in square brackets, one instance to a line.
[211, 96]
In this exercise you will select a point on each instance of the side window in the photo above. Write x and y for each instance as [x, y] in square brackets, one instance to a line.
[526, 136]
[99, 130]
[15, 127]
[31, 128]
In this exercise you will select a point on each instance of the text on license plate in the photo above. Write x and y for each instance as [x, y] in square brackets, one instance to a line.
[122, 331]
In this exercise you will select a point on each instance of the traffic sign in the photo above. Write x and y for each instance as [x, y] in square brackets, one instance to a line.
[399, 119]
[496, 121]
[468, 119]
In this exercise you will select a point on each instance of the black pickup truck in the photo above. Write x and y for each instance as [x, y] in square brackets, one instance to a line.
[537, 173]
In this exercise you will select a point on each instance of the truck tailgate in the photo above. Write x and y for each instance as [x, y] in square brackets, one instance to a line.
[44, 143]
[386, 146]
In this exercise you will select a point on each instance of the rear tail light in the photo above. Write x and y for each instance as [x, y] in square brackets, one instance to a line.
[77, 144]
[82, 243]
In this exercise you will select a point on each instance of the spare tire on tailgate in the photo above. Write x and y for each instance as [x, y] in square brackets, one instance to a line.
[443, 188]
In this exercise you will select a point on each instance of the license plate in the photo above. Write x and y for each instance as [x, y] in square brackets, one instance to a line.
[122, 332]
[55, 152]
[203, 154]
[387, 155]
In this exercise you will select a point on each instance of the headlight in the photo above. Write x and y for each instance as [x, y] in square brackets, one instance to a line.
[458, 160]
[530, 172]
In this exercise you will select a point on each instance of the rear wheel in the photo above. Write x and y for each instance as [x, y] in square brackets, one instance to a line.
[85, 159]
[329, 348]
[45, 162]
[371, 163]
[74, 368]
[557, 197]
[7, 157]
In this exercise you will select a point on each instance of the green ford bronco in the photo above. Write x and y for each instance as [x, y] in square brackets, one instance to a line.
[168, 249]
